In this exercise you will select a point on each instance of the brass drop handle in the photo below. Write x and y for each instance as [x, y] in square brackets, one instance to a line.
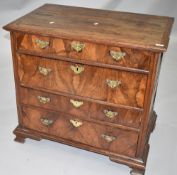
[77, 46]
[117, 55]
[46, 121]
[76, 103]
[110, 114]
[76, 122]
[44, 71]
[43, 100]
[77, 69]
[108, 138]
[113, 83]
[42, 44]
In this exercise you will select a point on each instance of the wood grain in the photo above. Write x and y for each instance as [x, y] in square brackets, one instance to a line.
[88, 133]
[149, 111]
[90, 83]
[87, 111]
[57, 102]
[47, 72]
[115, 28]
[133, 58]
[125, 117]
[119, 158]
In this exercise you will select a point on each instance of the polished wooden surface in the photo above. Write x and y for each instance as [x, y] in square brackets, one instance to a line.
[116, 28]
[135, 163]
[93, 52]
[125, 117]
[92, 82]
[87, 110]
[88, 133]
[57, 103]
[88, 78]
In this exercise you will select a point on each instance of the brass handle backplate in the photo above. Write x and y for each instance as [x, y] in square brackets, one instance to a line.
[44, 71]
[76, 123]
[77, 69]
[42, 44]
[43, 100]
[113, 83]
[77, 46]
[117, 55]
[110, 114]
[46, 121]
[108, 138]
[76, 103]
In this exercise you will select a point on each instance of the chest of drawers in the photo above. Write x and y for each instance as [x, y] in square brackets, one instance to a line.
[88, 78]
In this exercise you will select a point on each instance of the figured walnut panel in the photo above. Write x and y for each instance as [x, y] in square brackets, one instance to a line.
[88, 110]
[57, 102]
[133, 58]
[48, 32]
[88, 133]
[117, 28]
[90, 83]
[125, 117]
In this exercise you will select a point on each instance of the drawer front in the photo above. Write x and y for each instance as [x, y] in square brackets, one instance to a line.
[103, 84]
[124, 57]
[122, 116]
[115, 140]
[60, 103]
[81, 108]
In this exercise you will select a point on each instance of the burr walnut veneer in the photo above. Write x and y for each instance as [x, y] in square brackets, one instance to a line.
[88, 78]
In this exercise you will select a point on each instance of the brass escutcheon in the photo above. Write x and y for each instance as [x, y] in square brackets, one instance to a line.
[113, 83]
[76, 103]
[117, 55]
[76, 122]
[42, 44]
[77, 46]
[77, 69]
[46, 121]
[43, 100]
[108, 138]
[44, 71]
[110, 114]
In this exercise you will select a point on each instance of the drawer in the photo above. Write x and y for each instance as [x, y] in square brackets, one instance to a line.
[81, 108]
[99, 53]
[56, 124]
[116, 115]
[50, 101]
[113, 86]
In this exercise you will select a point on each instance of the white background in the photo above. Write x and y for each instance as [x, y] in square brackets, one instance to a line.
[46, 157]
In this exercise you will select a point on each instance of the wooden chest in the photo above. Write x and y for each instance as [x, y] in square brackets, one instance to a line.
[88, 78]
